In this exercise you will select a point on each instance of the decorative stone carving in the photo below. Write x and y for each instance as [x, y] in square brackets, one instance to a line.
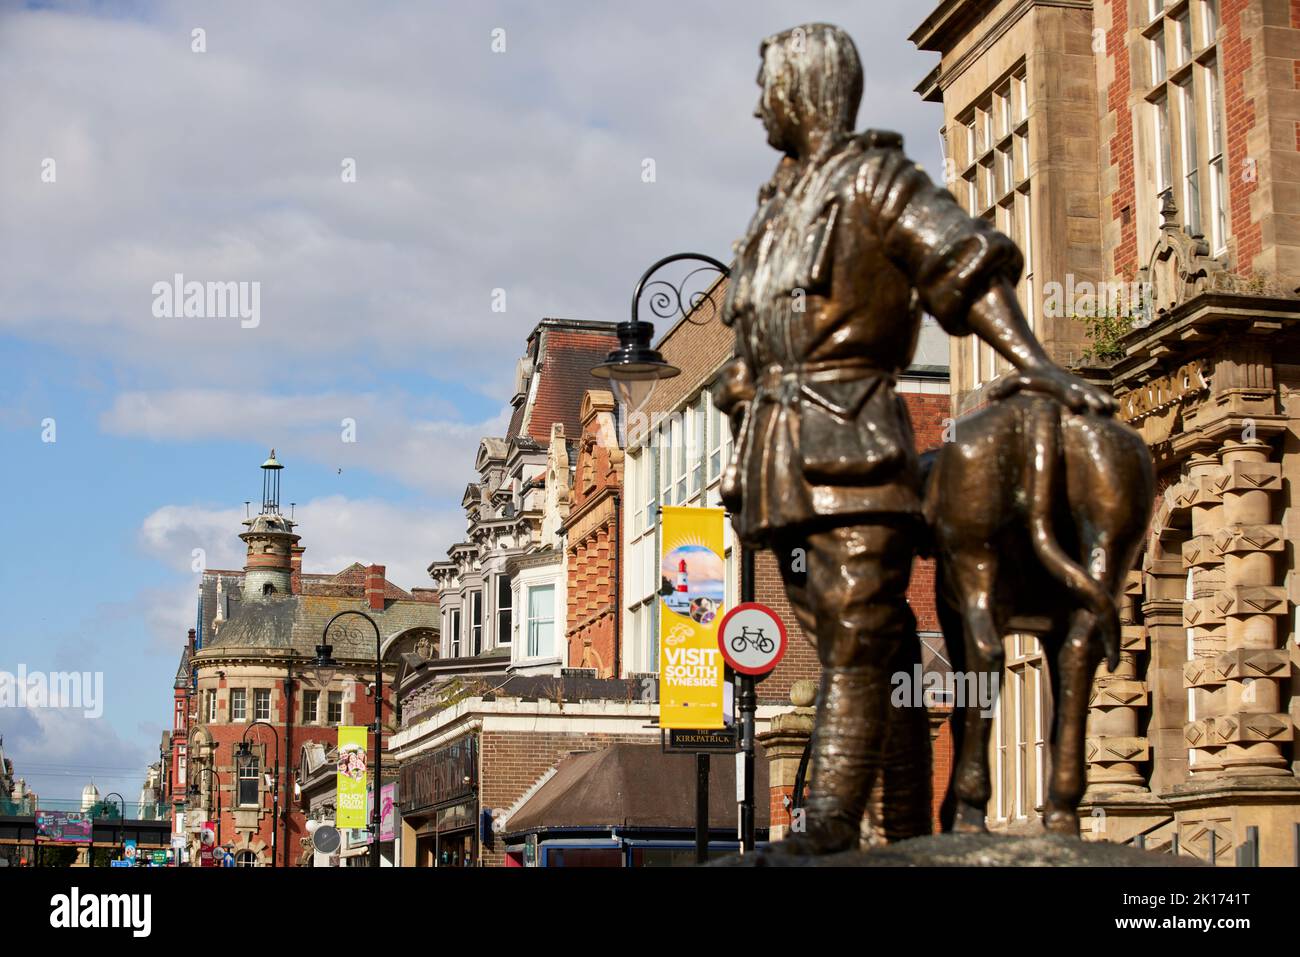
[1180, 266]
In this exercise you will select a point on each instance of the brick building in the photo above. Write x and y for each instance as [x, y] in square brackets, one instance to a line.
[1145, 154]
[247, 674]
[502, 589]
[591, 534]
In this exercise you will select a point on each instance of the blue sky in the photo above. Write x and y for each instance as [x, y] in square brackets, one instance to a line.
[476, 171]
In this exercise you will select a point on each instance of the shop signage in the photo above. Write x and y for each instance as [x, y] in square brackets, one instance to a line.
[694, 740]
[442, 776]
[1161, 393]
[691, 599]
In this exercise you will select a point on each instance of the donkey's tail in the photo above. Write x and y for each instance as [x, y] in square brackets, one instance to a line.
[1040, 482]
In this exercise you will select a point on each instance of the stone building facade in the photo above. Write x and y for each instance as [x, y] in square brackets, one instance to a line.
[1146, 156]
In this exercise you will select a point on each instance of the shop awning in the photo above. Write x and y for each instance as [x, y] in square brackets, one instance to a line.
[631, 786]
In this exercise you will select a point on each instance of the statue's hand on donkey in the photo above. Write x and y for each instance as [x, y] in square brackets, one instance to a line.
[1037, 514]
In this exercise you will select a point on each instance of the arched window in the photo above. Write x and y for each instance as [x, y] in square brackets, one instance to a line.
[246, 859]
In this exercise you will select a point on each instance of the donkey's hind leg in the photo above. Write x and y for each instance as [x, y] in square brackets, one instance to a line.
[1073, 667]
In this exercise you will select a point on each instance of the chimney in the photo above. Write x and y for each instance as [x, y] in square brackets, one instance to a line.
[375, 587]
[295, 564]
[190, 641]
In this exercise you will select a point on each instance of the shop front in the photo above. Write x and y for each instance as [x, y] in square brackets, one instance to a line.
[438, 794]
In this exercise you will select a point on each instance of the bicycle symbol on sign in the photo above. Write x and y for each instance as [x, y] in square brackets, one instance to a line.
[755, 636]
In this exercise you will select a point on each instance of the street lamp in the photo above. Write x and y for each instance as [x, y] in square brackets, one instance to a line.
[244, 754]
[325, 660]
[635, 367]
[121, 805]
[193, 793]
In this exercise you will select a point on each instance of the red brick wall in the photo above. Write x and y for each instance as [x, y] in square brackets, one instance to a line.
[1236, 55]
[593, 543]
[1124, 261]
[360, 711]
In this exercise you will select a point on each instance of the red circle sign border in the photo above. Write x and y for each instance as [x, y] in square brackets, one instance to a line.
[780, 627]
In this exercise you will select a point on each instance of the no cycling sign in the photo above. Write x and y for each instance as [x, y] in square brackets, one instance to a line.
[752, 638]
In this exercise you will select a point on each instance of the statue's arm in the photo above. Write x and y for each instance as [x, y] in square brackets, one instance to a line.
[995, 317]
[965, 273]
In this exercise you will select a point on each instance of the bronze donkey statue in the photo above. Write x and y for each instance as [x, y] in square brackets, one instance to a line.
[1037, 514]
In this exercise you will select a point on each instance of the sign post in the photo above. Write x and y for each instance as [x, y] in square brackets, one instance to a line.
[752, 639]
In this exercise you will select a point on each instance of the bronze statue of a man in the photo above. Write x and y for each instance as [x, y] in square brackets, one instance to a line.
[851, 244]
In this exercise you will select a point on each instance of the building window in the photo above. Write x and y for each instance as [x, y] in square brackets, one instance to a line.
[476, 622]
[1218, 185]
[504, 599]
[249, 783]
[454, 631]
[212, 707]
[1186, 105]
[310, 707]
[238, 705]
[334, 712]
[246, 859]
[714, 439]
[262, 704]
[990, 146]
[541, 620]
[1020, 757]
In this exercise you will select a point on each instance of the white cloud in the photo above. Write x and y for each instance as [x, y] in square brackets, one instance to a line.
[335, 530]
[387, 435]
[475, 171]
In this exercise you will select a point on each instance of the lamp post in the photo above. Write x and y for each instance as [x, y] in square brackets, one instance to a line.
[121, 816]
[244, 753]
[325, 660]
[193, 792]
[635, 368]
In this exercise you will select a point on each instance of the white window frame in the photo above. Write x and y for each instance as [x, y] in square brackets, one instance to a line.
[261, 696]
[533, 648]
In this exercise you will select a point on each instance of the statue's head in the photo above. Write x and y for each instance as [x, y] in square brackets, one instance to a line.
[812, 83]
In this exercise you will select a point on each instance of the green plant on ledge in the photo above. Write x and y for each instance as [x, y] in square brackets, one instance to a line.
[1104, 330]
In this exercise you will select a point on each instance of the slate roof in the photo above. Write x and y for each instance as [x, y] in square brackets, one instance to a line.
[569, 350]
[636, 785]
[295, 622]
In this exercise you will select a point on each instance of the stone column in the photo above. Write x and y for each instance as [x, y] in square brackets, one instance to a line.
[1114, 746]
[783, 744]
[1250, 724]
[1202, 496]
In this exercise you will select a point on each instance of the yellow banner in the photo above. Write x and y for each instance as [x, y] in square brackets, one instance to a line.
[692, 594]
[350, 791]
